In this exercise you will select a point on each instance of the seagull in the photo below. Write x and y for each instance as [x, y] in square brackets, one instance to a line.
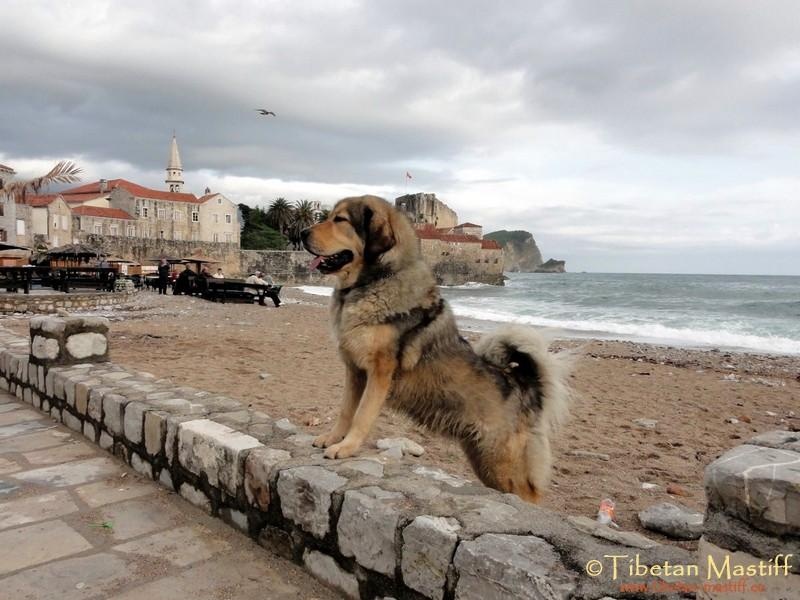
[264, 112]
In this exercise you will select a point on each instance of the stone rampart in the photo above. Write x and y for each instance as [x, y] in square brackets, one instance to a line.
[375, 527]
[51, 303]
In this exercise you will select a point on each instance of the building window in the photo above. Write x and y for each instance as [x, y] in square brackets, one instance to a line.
[20, 227]
[177, 215]
[144, 212]
[215, 237]
[161, 234]
[195, 217]
[113, 230]
[131, 231]
[219, 200]
[64, 222]
[55, 221]
[145, 231]
[2, 204]
[162, 214]
[216, 218]
[3, 235]
[98, 229]
[229, 237]
[228, 219]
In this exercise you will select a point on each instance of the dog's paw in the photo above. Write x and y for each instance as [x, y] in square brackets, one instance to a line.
[327, 439]
[341, 450]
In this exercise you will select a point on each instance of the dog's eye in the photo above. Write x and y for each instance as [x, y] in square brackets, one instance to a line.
[339, 220]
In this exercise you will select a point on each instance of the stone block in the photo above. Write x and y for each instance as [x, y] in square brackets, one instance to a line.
[170, 442]
[113, 413]
[94, 408]
[141, 465]
[214, 450]
[155, 431]
[758, 484]
[367, 526]
[72, 421]
[45, 349]
[510, 566]
[106, 442]
[133, 422]
[673, 521]
[326, 569]
[258, 473]
[70, 340]
[305, 494]
[428, 547]
[82, 390]
[195, 496]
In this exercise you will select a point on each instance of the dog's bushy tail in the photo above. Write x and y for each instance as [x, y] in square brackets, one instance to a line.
[542, 377]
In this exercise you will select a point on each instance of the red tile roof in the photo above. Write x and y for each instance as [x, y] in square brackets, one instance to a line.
[468, 225]
[433, 234]
[80, 198]
[43, 200]
[99, 211]
[490, 245]
[134, 188]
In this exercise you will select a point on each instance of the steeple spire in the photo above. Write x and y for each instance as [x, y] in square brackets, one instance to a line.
[174, 178]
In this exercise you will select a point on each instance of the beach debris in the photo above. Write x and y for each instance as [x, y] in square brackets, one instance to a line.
[730, 377]
[605, 514]
[406, 445]
[768, 382]
[646, 423]
[674, 521]
[675, 490]
[769, 413]
[588, 454]
[745, 419]
[264, 376]
[650, 487]
[103, 525]
[311, 421]
[732, 420]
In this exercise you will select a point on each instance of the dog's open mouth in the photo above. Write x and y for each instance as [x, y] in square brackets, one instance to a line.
[332, 263]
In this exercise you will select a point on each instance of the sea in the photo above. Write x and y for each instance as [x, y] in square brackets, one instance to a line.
[748, 313]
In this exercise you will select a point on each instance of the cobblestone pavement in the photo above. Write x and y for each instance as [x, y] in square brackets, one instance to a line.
[75, 523]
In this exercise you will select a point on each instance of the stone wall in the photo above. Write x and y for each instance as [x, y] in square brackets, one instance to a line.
[427, 208]
[51, 303]
[371, 526]
[287, 266]
[456, 263]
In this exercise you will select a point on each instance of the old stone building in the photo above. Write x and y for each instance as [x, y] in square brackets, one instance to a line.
[122, 208]
[427, 209]
[8, 214]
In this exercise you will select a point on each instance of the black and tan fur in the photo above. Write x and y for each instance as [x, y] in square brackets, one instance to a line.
[399, 342]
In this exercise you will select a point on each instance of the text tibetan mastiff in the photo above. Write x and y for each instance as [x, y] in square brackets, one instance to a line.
[399, 341]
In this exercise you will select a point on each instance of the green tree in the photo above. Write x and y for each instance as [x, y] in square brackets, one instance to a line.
[256, 234]
[303, 216]
[280, 215]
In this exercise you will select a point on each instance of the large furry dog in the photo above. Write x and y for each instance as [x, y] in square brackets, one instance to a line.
[400, 344]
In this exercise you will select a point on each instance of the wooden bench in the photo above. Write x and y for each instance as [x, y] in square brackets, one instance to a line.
[237, 290]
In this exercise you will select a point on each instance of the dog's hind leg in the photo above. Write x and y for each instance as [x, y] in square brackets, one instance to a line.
[354, 384]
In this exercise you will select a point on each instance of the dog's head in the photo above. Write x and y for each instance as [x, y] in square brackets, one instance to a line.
[360, 233]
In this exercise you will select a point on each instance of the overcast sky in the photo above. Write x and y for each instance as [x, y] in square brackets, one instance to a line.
[626, 136]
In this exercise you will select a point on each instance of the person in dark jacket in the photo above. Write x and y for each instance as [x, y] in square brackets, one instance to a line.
[163, 276]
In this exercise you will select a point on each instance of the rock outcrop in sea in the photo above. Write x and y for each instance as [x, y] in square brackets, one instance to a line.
[522, 255]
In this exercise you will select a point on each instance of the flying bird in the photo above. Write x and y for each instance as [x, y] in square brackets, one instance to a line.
[264, 112]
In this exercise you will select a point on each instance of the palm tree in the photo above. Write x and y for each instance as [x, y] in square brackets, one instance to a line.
[303, 217]
[65, 171]
[280, 215]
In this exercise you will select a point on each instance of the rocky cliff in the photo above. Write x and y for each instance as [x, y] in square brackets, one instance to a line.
[520, 251]
[552, 266]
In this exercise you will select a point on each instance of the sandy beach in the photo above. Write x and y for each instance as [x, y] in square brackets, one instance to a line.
[284, 362]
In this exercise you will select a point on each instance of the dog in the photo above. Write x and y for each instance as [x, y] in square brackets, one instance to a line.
[399, 342]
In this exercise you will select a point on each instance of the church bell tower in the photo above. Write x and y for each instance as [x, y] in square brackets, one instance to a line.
[174, 178]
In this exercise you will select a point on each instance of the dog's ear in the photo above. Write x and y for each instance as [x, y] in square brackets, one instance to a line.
[378, 234]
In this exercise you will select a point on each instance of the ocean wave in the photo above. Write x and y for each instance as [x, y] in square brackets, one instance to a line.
[316, 290]
[470, 285]
[650, 332]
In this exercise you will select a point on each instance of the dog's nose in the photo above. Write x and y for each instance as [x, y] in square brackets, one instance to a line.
[304, 234]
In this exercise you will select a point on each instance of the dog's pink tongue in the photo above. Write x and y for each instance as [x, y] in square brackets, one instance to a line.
[315, 262]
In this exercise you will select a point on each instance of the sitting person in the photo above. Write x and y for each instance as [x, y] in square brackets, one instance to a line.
[219, 274]
[258, 279]
[184, 282]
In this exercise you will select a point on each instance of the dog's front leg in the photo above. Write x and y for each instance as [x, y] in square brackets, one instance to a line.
[379, 380]
[354, 383]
